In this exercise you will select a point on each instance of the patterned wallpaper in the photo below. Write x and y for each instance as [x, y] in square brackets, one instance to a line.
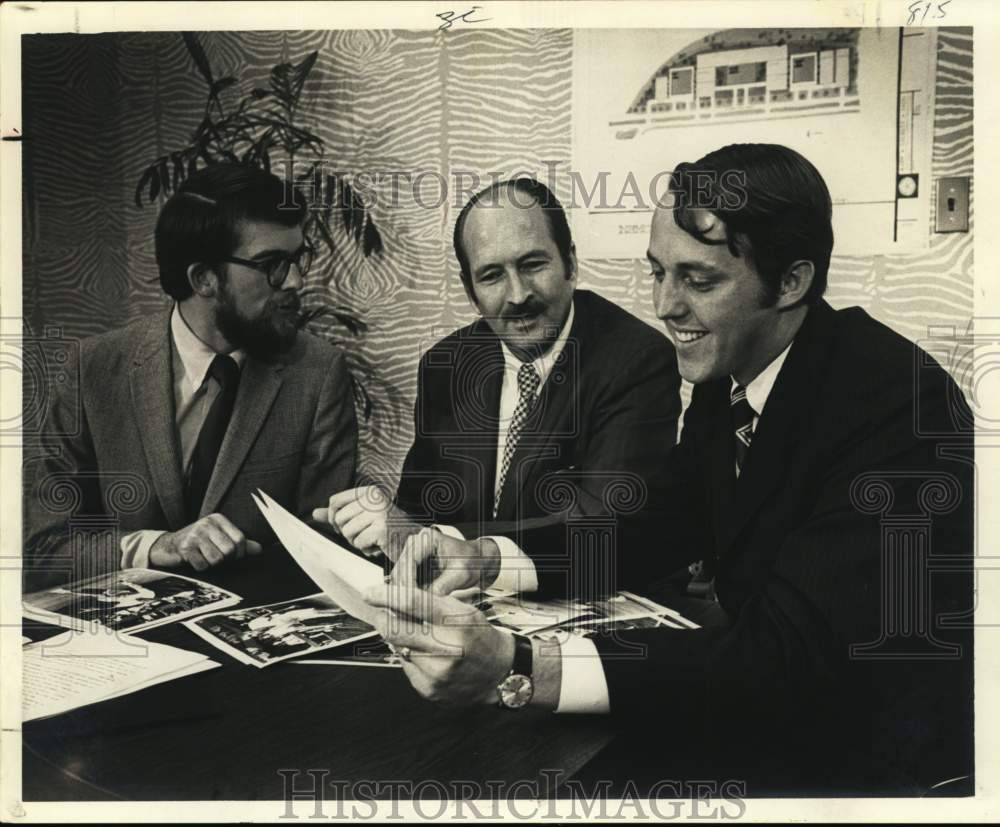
[98, 108]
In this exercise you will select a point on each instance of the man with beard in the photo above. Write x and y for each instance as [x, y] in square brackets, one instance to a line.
[185, 413]
[556, 408]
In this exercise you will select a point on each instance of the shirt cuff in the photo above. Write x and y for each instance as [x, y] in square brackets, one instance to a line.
[584, 688]
[517, 569]
[135, 548]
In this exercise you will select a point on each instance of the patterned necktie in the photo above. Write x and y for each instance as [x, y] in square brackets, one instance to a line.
[743, 416]
[206, 450]
[528, 381]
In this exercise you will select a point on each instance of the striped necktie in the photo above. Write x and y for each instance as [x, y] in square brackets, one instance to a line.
[743, 416]
[528, 381]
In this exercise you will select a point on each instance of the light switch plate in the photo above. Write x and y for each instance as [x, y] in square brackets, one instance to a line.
[952, 205]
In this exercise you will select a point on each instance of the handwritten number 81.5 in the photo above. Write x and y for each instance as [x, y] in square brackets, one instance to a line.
[920, 9]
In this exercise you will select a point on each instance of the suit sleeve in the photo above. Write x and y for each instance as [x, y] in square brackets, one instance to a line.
[62, 483]
[420, 457]
[790, 641]
[608, 535]
[330, 460]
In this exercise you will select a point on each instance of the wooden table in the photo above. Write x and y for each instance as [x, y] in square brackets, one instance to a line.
[226, 734]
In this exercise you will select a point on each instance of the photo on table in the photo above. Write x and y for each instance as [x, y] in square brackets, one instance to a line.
[262, 635]
[130, 600]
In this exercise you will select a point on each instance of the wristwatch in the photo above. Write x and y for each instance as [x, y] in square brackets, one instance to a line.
[516, 689]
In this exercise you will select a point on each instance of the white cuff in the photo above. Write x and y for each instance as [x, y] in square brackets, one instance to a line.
[135, 548]
[517, 569]
[583, 689]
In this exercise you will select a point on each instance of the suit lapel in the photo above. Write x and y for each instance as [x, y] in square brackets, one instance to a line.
[479, 404]
[259, 384]
[151, 387]
[780, 425]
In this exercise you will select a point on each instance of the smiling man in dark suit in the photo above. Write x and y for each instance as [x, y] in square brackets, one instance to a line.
[187, 412]
[555, 408]
[825, 466]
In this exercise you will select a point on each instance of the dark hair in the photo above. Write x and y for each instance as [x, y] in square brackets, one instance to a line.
[200, 222]
[541, 195]
[775, 206]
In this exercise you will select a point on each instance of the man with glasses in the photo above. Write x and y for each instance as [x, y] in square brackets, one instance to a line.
[187, 412]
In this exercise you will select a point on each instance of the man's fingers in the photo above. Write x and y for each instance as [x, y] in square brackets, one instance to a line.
[216, 544]
[370, 539]
[353, 528]
[322, 515]
[253, 547]
[404, 573]
[452, 579]
[346, 513]
[224, 523]
[193, 557]
[368, 496]
[421, 604]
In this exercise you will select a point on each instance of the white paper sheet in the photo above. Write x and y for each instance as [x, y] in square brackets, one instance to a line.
[341, 574]
[75, 669]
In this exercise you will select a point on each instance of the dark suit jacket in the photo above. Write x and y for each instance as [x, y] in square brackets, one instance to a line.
[595, 448]
[861, 461]
[112, 462]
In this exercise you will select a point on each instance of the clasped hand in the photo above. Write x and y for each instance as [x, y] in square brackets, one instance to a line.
[206, 542]
[368, 520]
[446, 564]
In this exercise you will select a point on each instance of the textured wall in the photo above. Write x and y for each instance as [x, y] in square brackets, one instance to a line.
[98, 108]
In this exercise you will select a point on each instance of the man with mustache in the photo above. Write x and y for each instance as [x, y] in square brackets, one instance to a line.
[188, 411]
[556, 408]
[824, 477]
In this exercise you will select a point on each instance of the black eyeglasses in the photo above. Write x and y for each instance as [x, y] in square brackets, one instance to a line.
[276, 267]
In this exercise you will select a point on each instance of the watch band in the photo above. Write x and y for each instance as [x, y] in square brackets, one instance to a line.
[522, 656]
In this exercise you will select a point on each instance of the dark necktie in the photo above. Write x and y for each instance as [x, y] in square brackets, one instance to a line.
[743, 416]
[528, 381]
[227, 373]
[702, 575]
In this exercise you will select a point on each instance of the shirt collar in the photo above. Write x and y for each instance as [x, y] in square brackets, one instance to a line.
[544, 363]
[195, 355]
[760, 388]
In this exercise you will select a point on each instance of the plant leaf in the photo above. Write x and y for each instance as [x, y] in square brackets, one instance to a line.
[154, 182]
[221, 84]
[299, 74]
[143, 180]
[372, 238]
[198, 55]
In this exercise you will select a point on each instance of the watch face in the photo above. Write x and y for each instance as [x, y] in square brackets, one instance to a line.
[515, 691]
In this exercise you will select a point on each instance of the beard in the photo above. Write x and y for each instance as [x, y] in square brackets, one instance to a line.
[270, 334]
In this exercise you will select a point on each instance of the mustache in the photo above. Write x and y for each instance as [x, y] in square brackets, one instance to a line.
[289, 301]
[529, 308]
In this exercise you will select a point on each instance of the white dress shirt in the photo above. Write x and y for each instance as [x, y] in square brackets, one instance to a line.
[194, 393]
[517, 572]
[584, 687]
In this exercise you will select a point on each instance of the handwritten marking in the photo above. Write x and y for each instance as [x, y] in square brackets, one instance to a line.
[450, 18]
[921, 8]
